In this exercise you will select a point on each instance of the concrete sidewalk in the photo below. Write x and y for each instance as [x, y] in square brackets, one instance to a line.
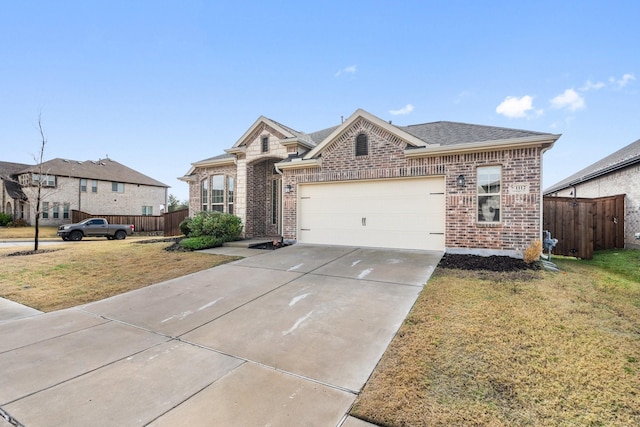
[10, 310]
[286, 337]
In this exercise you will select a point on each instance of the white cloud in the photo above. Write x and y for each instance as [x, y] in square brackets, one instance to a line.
[514, 107]
[351, 69]
[589, 85]
[404, 110]
[462, 96]
[623, 81]
[569, 99]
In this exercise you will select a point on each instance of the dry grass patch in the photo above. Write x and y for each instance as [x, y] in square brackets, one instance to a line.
[482, 348]
[28, 232]
[74, 273]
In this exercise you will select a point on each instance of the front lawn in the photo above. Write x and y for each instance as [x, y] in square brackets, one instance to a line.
[72, 273]
[28, 233]
[526, 349]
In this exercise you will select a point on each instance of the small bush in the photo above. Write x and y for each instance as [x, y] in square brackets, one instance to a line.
[18, 223]
[223, 226]
[200, 242]
[532, 253]
[185, 226]
[5, 219]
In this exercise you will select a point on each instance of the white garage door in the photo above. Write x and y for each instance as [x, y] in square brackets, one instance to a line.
[397, 213]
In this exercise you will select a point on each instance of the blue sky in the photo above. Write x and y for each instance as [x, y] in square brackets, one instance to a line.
[157, 85]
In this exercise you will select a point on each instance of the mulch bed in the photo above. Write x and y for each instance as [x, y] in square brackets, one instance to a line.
[31, 252]
[490, 263]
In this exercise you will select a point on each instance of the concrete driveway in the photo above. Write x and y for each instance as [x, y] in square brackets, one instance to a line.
[286, 337]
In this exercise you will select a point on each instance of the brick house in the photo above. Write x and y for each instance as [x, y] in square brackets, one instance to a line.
[618, 173]
[102, 187]
[437, 186]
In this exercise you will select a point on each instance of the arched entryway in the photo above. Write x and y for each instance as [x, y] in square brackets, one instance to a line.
[264, 194]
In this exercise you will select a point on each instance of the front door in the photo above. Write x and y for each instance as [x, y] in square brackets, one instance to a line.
[273, 209]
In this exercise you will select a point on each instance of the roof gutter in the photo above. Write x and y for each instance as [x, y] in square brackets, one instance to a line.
[299, 164]
[546, 141]
[596, 174]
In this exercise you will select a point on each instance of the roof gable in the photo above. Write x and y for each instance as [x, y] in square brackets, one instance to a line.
[337, 132]
[258, 126]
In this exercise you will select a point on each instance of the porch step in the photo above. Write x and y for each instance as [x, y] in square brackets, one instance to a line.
[251, 242]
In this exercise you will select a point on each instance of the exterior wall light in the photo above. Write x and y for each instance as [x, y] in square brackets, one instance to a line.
[287, 188]
[460, 181]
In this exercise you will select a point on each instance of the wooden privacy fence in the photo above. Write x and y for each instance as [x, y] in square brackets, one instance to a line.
[172, 222]
[167, 223]
[584, 225]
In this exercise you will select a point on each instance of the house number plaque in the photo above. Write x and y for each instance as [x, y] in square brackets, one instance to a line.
[519, 188]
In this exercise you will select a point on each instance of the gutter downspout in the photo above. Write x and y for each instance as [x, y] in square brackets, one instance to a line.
[544, 150]
[275, 167]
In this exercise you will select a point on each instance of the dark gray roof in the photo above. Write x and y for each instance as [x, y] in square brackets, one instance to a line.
[8, 169]
[626, 156]
[219, 157]
[301, 135]
[450, 133]
[14, 189]
[103, 170]
[441, 133]
[320, 135]
[8, 176]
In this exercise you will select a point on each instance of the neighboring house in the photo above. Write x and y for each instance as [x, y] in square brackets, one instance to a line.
[102, 187]
[13, 200]
[618, 173]
[366, 182]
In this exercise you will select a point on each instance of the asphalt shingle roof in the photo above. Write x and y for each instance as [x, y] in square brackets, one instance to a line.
[7, 168]
[103, 169]
[624, 157]
[440, 133]
[450, 133]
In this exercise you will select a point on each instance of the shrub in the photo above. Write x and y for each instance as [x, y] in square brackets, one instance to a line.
[224, 226]
[200, 242]
[185, 226]
[5, 219]
[532, 253]
[18, 223]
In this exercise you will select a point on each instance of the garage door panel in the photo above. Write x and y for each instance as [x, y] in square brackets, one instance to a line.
[405, 213]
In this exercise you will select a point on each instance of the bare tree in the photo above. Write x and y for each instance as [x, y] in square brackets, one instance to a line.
[40, 182]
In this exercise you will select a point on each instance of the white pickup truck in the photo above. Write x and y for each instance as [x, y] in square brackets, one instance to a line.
[95, 227]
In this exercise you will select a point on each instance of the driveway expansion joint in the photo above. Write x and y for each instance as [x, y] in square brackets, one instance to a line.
[9, 418]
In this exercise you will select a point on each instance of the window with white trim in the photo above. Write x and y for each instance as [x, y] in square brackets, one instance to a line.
[45, 210]
[94, 186]
[47, 180]
[265, 144]
[217, 193]
[65, 210]
[56, 210]
[489, 194]
[204, 194]
[230, 193]
[117, 187]
[83, 185]
[147, 210]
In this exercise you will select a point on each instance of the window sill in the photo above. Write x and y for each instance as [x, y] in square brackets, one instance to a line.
[489, 224]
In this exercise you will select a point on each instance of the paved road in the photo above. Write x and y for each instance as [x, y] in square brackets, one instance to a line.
[9, 243]
[286, 337]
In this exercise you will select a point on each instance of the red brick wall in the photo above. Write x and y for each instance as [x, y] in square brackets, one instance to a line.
[520, 223]
[195, 202]
[258, 221]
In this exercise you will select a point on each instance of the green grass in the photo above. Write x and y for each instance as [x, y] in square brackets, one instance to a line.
[625, 263]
